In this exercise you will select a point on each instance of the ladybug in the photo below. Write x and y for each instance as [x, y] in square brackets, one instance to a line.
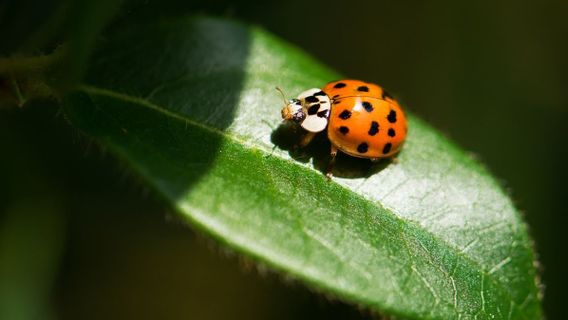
[361, 118]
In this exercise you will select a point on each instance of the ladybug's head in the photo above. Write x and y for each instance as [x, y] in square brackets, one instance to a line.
[293, 111]
[310, 110]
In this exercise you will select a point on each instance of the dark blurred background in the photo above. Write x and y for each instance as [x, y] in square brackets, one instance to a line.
[81, 239]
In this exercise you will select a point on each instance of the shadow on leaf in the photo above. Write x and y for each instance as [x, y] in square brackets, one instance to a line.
[157, 92]
[287, 136]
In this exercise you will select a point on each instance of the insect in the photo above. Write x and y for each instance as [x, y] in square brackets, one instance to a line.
[361, 118]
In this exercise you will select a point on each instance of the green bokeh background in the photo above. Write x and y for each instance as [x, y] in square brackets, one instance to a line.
[81, 238]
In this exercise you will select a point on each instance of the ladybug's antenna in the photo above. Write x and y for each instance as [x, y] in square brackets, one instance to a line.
[282, 94]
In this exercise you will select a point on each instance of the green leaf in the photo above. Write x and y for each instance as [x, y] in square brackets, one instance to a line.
[190, 105]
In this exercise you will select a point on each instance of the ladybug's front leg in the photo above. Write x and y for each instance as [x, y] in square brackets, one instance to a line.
[329, 169]
[306, 139]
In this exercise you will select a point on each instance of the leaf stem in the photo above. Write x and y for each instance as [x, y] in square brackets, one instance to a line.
[26, 65]
[18, 92]
[27, 77]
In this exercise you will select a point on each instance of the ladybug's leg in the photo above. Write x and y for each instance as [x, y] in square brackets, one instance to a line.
[329, 169]
[306, 139]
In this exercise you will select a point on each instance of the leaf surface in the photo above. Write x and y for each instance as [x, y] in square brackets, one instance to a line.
[190, 105]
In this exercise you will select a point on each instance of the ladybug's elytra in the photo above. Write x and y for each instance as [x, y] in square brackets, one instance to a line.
[361, 118]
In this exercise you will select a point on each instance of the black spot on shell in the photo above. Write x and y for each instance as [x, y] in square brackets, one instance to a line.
[392, 116]
[335, 96]
[363, 147]
[320, 93]
[339, 85]
[311, 99]
[313, 109]
[374, 128]
[386, 95]
[343, 130]
[368, 106]
[387, 148]
[391, 132]
[345, 114]
[323, 114]
[363, 89]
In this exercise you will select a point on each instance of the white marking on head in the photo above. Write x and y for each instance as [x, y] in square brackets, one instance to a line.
[307, 93]
[314, 123]
[322, 105]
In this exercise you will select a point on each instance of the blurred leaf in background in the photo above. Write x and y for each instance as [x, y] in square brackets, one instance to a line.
[32, 228]
[46, 45]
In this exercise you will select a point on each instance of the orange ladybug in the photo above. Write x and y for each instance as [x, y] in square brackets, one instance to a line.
[361, 118]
